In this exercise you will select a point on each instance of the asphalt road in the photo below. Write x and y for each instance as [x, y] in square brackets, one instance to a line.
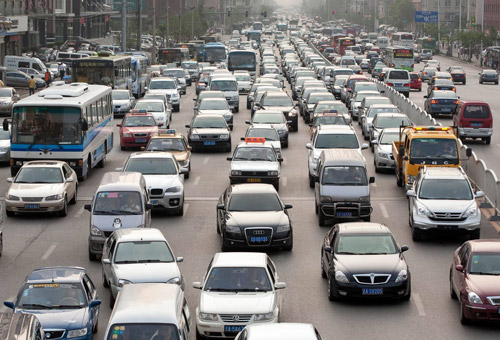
[37, 241]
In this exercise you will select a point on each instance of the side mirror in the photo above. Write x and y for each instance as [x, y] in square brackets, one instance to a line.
[95, 303]
[288, 206]
[374, 141]
[220, 207]
[479, 194]
[309, 146]
[411, 193]
[280, 285]
[106, 261]
[10, 179]
[405, 158]
[280, 160]
[372, 180]
[187, 126]
[247, 122]
[404, 248]
[426, 96]
[119, 169]
[364, 146]
[328, 249]
[179, 259]
[9, 304]
[194, 99]
[197, 285]
[468, 152]
[87, 207]
[459, 267]
[229, 158]
[119, 125]
[149, 206]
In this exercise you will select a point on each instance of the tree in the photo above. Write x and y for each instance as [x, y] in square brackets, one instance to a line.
[401, 14]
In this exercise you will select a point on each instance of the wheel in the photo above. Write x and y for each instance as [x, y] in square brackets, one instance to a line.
[10, 213]
[295, 127]
[416, 234]
[96, 327]
[453, 295]
[102, 162]
[105, 282]
[88, 169]
[332, 296]
[322, 218]
[177, 107]
[73, 200]
[323, 273]
[475, 234]
[496, 83]
[464, 82]
[111, 301]
[123, 148]
[64, 211]
[487, 140]
[228, 148]
[285, 144]
[311, 181]
[420, 90]
[186, 176]
[237, 109]
[248, 105]
[92, 257]
[180, 211]
[463, 319]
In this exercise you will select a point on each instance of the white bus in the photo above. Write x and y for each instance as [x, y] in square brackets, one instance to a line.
[68, 122]
[139, 75]
[399, 58]
[402, 39]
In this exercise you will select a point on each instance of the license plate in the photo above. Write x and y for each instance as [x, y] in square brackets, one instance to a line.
[140, 140]
[254, 180]
[498, 310]
[445, 109]
[259, 239]
[207, 143]
[372, 291]
[233, 329]
[476, 124]
[31, 206]
[344, 214]
[154, 202]
[115, 110]
[397, 84]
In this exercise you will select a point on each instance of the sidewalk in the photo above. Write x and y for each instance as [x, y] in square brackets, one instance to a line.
[455, 56]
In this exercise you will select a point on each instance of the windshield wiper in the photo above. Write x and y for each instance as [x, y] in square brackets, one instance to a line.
[126, 261]
[35, 305]
[150, 261]
[484, 273]
[124, 212]
[255, 290]
[349, 253]
[103, 212]
[221, 290]
[67, 306]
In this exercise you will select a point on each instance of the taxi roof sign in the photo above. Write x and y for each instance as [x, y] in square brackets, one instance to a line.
[170, 132]
[255, 140]
[431, 128]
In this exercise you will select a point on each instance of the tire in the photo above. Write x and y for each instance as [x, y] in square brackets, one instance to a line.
[416, 234]
[102, 162]
[496, 83]
[186, 176]
[323, 273]
[237, 109]
[331, 290]
[73, 200]
[93, 257]
[487, 140]
[289, 247]
[311, 181]
[95, 329]
[228, 148]
[199, 336]
[89, 169]
[111, 301]
[322, 218]
[248, 105]
[105, 282]
[64, 211]
[475, 234]
[177, 107]
[10, 213]
[464, 82]
[123, 148]
[463, 319]
[453, 295]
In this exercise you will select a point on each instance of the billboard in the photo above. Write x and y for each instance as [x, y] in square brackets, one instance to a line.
[426, 16]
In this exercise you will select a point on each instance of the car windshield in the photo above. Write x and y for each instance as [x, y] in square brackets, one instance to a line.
[212, 122]
[190, 66]
[238, 279]
[277, 101]
[150, 106]
[166, 144]
[340, 108]
[268, 134]
[313, 99]
[139, 121]
[39, 296]
[242, 77]
[254, 154]
[445, 189]
[391, 122]
[39, 175]
[366, 245]
[118, 203]
[388, 138]
[336, 141]
[432, 148]
[268, 118]
[5, 93]
[139, 331]
[330, 120]
[443, 82]
[118, 95]
[344, 175]
[174, 73]
[361, 96]
[365, 87]
[372, 112]
[380, 100]
[224, 85]
[255, 202]
[476, 111]
[484, 264]
[213, 105]
[152, 166]
[340, 82]
[162, 85]
[143, 252]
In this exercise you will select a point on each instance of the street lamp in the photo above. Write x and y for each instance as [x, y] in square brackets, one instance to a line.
[192, 8]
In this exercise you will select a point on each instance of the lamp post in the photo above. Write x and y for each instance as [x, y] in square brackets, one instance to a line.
[192, 8]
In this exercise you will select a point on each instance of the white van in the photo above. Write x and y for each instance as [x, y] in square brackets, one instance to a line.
[229, 86]
[14, 62]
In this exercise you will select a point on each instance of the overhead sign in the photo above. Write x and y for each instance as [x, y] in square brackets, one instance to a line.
[426, 16]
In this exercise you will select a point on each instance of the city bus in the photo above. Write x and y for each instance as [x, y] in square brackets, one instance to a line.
[399, 58]
[402, 39]
[334, 40]
[199, 45]
[115, 71]
[342, 44]
[139, 75]
[254, 35]
[242, 60]
[327, 32]
[426, 43]
[172, 55]
[214, 53]
[282, 27]
[258, 26]
[191, 48]
[68, 122]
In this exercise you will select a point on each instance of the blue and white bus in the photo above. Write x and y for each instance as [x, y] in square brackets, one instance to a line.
[242, 60]
[215, 53]
[139, 75]
[68, 122]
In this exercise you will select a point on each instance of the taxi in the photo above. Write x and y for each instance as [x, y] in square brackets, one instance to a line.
[255, 161]
[327, 117]
[175, 143]
[268, 132]
[136, 129]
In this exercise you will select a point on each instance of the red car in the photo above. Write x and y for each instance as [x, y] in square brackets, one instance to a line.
[415, 81]
[475, 280]
[136, 129]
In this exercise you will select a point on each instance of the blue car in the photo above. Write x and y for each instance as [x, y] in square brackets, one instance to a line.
[441, 102]
[64, 299]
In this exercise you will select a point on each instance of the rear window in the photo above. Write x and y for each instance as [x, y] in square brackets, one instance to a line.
[414, 76]
[476, 111]
[398, 75]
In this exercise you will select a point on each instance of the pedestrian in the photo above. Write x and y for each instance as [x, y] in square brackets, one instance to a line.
[32, 85]
[62, 70]
[47, 76]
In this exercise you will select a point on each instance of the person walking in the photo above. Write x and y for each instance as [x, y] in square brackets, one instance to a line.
[32, 85]
[62, 70]
[47, 77]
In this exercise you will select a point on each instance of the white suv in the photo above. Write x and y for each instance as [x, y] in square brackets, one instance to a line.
[399, 80]
[238, 289]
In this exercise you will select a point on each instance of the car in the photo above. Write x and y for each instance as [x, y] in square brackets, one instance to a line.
[168, 86]
[192, 68]
[383, 158]
[252, 215]
[383, 72]
[286, 330]
[8, 96]
[244, 82]
[426, 54]
[310, 102]
[399, 80]
[136, 129]
[253, 89]
[157, 108]
[441, 85]
[327, 117]
[123, 102]
[208, 132]
[164, 179]
[279, 101]
[259, 93]
[42, 186]
[201, 83]
[64, 299]
[427, 73]
[474, 280]
[367, 102]
[179, 75]
[415, 81]
[458, 74]
[215, 106]
[433, 63]
[238, 289]
[187, 77]
[363, 260]
[443, 199]
[356, 100]
[488, 76]
[268, 132]
[385, 120]
[337, 85]
[370, 113]
[141, 255]
[474, 120]
[441, 102]
[274, 118]
[206, 94]
[4, 146]
[20, 79]
[331, 106]
[175, 143]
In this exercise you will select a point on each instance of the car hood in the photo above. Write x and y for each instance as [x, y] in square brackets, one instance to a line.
[161, 181]
[107, 222]
[5, 143]
[281, 126]
[236, 303]
[366, 264]
[35, 190]
[147, 272]
[140, 129]
[60, 318]
[451, 206]
[180, 156]
[211, 131]
[484, 285]
[254, 166]
[257, 218]
[345, 193]
[214, 112]
[385, 148]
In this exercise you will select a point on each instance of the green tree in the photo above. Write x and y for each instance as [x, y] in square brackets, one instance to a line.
[402, 14]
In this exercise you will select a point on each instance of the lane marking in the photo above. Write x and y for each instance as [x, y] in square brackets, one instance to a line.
[284, 181]
[49, 251]
[205, 161]
[79, 212]
[186, 208]
[384, 210]
[418, 303]
[197, 180]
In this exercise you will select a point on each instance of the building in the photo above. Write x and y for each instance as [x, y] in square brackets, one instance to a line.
[13, 27]
[491, 14]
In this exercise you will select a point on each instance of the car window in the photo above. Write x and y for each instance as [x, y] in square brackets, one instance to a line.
[255, 202]
[365, 244]
[476, 111]
[143, 252]
[446, 189]
[39, 175]
[236, 279]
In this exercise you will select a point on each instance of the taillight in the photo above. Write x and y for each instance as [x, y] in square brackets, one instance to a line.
[393, 65]
[434, 101]
[454, 89]
[456, 101]
[435, 88]
[424, 72]
[390, 84]
[408, 84]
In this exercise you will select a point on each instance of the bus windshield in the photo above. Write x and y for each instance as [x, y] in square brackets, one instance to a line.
[215, 54]
[46, 125]
[242, 61]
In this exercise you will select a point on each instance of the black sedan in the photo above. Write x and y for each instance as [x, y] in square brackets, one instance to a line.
[441, 102]
[458, 74]
[363, 260]
[441, 85]
[488, 76]
[253, 216]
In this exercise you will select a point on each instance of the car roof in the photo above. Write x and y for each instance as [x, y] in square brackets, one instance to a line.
[485, 245]
[392, 114]
[149, 154]
[382, 106]
[213, 99]
[162, 78]
[252, 188]
[336, 129]
[238, 259]
[444, 173]
[55, 274]
[363, 228]
[277, 94]
[138, 234]
[57, 164]
[342, 157]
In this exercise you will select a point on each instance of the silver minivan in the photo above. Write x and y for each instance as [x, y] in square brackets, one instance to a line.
[149, 311]
[121, 201]
[229, 86]
[342, 188]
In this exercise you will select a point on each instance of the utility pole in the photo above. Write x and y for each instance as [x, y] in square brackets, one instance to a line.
[168, 26]
[180, 21]
[139, 38]
[124, 25]
[153, 52]
[192, 20]
[482, 25]
[439, 26]
[460, 17]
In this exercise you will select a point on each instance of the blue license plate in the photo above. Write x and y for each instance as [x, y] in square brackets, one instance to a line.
[140, 140]
[476, 124]
[498, 310]
[372, 291]
[259, 239]
[344, 214]
[154, 202]
[233, 329]
[32, 206]
[209, 143]
[445, 109]
[115, 110]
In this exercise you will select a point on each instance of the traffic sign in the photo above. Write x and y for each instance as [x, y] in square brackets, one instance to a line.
[426, 16]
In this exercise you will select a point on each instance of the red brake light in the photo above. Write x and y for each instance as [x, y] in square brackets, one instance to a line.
[390, 84]
[454, 89]
[434, 101]
[435, 88]
[408, 84]
[456, 101]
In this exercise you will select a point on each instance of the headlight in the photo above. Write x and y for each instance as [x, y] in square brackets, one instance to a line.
[125, 106]
[282, 132]
[264, 317]
[94, 231]
[4, 149]
[195, 137]
[77, 332]
[340, 277]
[272, 173]
[325, 199]
[184, 163]
[402, 276]
[227, 115]
[175, 280]
[424, 211]
[123, 282]
[208, 317]
[175, 95]
[54, 197]
[127, 134]
[292, 113]
[12, 198]
[174, 189]
[224, 137]
[364, 199]
[283, 228]
[383, 155]
[472, 211]
[474, 298]
[410, 179]
[233, 229]
[235, 172]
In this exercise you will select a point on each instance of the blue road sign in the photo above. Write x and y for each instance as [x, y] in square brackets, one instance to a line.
[426, 16]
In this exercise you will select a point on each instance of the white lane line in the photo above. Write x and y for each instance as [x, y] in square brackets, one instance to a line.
[284, 181]
[205, 161]
[418, 303]
[284, 161]
[197, 180]
[3, 308]
[49, 251]
[186, 208]
[80, 212]
[498, 145]
[384, 210]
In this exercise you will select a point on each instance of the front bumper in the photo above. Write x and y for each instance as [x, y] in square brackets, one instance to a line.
[390, 289]
[346, 210]
[426, 223]
[168, 201]
[215, 329]
[275, 240]
[95, 244]
[385, 163]
[481, 311]
[34, 207]
[475, 132]
[254, 179]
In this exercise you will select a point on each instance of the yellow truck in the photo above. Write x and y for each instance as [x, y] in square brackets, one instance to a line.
[420, 146]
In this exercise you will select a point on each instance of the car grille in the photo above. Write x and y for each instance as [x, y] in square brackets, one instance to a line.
[446, 216]
[235, 318]
[259, 236]
[117, 106]
[56, 334]
[254, 173]
[209, 136]
[494, 300]
[32, 199]
[156, 192]
[372, 279]
[140, 134]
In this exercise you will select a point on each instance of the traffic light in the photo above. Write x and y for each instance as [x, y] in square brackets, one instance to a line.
[246, 14]
[265, 14]
[228, 13]
[404, 20]
[334, 12]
